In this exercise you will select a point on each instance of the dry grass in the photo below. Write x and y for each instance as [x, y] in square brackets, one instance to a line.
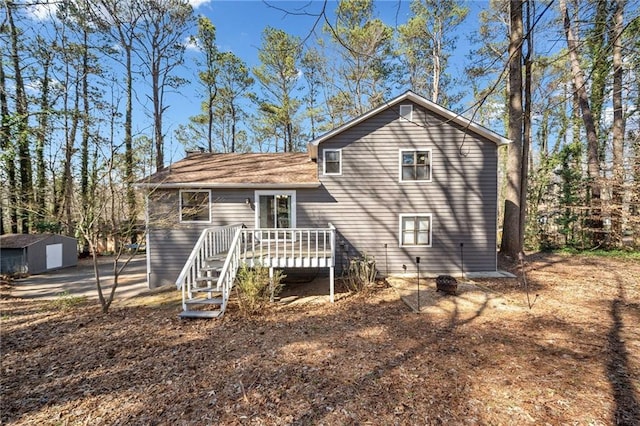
[572, 359]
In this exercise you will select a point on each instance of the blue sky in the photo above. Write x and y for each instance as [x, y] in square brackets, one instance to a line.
[239, 26]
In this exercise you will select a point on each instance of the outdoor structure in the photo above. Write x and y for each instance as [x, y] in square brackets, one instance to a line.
[407, 179]
[36, 253]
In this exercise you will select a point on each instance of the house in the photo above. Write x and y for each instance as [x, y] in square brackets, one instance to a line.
[36, 253]
[407, 179]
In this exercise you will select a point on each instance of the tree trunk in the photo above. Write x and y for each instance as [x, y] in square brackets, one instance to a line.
[41, 138]
[618, 127]
[128, 141]
[594, 223]
[10, 165]
[526, 140]
[511, 239]
[22, 113]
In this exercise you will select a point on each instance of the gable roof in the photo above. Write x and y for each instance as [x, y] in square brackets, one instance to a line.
[431, 106]
[237, 170]
[15, 241]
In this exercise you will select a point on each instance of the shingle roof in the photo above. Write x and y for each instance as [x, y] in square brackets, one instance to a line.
[20, 240]
[237, 170]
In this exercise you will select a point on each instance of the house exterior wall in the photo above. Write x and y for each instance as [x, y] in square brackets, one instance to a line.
[365, 201]
[170, 242]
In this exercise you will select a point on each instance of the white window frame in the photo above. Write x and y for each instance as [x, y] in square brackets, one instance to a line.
[324, 161]
[400, 230]
[256, 198]
[208, 191]
[406, 115]
[403, 150]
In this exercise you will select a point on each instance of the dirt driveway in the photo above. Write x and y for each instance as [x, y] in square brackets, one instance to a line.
[80, 280]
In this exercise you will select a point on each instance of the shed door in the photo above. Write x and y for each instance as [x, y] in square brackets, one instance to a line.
[54, 256]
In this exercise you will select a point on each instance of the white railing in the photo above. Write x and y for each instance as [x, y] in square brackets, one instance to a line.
[212, 241]
[230, 268]
[290, 247]
[274, 248]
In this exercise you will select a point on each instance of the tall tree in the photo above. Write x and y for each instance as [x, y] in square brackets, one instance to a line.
[313, 68]
[22, 127]
[364, 47]
[206, 41]
[7, 154]
[278, 74]
[45, 53]
[120, 22]
[163, 28]
[426, 43]
[511, 239]
[593, 161]
[617, 187]
[234, 84]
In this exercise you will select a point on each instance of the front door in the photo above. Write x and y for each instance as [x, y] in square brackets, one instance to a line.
[275, 209]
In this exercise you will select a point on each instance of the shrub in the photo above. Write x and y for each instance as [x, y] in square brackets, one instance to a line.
[255, 289]
[360, 273]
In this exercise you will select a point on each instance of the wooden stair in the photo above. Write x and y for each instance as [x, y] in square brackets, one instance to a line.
[205, 301]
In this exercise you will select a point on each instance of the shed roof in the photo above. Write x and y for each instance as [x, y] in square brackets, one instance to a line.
[422, 101]
[237, 170]
[15, 241]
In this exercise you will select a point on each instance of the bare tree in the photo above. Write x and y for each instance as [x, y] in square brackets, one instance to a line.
[511, 239]
[593, 161]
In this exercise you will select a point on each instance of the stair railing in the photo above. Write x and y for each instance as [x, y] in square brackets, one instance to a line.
[212, 241]
[227, 277]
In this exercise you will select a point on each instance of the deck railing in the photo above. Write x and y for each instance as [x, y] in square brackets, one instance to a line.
[273, 248]
[289, 248]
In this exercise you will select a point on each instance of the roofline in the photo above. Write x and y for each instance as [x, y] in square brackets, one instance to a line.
[298, 185]
[432, 106]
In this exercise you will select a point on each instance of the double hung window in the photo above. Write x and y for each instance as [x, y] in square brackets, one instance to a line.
[415, 166]
[415, 230]
[332, 162]
[195, 206]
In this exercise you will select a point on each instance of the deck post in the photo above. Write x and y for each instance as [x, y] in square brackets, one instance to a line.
[331, 283]
[271, 286]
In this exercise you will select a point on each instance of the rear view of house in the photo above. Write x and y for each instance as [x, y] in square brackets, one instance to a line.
[407, 179]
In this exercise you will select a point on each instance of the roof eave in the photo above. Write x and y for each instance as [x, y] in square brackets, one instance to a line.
[228, 185]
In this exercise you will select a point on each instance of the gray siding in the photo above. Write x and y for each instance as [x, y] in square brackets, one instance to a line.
[171, 242]
[365, 202]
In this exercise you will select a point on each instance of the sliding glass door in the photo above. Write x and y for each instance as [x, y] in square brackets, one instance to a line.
[275, 209]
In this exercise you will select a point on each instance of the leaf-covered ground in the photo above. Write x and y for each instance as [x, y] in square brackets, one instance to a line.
[574, 358]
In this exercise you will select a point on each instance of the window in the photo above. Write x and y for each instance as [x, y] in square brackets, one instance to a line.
[415, 230]
[194, 206]
[406, 112]
[415, 166]
[332, 161]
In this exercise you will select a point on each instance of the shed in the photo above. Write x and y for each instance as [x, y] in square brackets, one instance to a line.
[36, 253]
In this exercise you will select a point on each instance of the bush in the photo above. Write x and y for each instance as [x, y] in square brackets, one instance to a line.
[361, 273]
[255, 289]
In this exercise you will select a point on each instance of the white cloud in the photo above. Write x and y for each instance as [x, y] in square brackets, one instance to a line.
[42, 11]
[197, 3]
[191, 44]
